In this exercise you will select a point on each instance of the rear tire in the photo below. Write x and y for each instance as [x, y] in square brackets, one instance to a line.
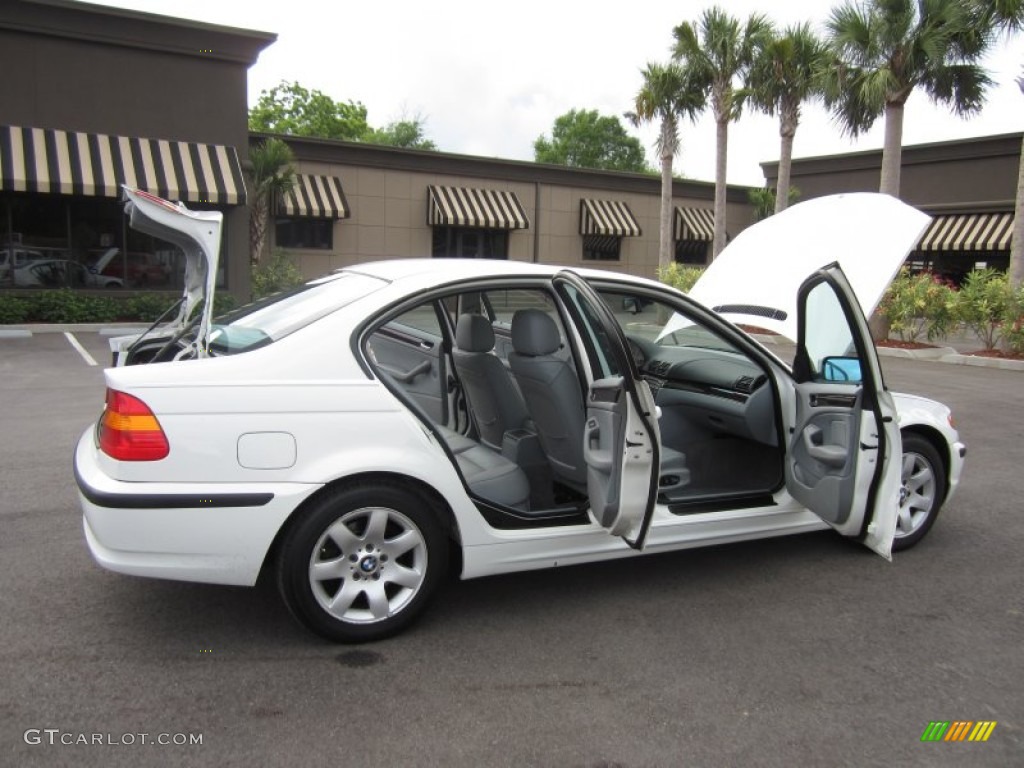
[362, 562]
[923, 489]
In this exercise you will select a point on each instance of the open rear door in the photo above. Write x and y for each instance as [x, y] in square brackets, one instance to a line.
[621, 441]
[843, 462]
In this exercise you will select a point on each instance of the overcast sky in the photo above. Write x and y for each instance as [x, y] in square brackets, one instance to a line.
[489, 78]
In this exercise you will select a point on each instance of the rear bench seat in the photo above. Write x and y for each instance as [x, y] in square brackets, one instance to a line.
[488, 474]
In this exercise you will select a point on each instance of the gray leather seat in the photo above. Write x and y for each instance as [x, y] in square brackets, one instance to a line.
[552, 393]
[488, 474]
[494, 401]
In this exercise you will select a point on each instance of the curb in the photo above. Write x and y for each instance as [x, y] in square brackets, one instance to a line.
[983, 362]
[950, 356]
[930, 353]
[103, 329]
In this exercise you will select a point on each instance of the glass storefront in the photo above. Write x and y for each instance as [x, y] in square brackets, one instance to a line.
[53, 241]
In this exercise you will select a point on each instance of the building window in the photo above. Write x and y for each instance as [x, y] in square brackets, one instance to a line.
[692, 252]
[470, 243]
[601, 247]
[51, 241]
[303, 232]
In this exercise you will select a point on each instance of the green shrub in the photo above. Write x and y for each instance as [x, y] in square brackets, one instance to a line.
[919, 305]
[13, 309]
[65, 305]
[680, 276]
[147, 307]
[985, 302]
[277, 274]
[1013, 322]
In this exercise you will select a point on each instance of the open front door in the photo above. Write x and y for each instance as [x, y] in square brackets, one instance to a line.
[843, 459]
[621, 444]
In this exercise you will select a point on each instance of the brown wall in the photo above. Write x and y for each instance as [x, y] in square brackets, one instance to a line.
[386, 189]
[971, 174]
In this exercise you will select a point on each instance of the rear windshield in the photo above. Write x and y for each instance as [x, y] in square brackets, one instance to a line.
[267, 320]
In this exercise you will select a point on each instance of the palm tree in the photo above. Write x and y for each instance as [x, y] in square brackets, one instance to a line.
[1007, 16]
[666, 95]
[718, 49]
[787, 72]
[272, 175]
[888, 48]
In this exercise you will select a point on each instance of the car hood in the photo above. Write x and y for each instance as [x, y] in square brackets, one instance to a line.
[198, 234]
[755, 279]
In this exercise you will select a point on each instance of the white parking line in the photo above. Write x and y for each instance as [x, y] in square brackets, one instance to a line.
[79, 348]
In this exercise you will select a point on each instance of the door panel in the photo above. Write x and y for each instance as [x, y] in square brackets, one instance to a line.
[823, 454]
[413, 358]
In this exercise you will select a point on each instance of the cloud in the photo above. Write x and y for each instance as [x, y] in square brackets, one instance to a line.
[490, 80]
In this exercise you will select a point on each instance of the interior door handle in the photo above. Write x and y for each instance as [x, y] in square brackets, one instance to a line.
[832, 455]
[598, 459]
[407, 376]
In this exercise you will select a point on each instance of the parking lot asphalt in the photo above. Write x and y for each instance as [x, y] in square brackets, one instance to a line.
[799, 651]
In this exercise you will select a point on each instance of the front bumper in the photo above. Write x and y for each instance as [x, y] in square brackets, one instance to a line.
[957, 457]
[217, 533]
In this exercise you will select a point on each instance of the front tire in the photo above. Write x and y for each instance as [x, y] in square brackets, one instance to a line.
[922, 492]
[362, 563]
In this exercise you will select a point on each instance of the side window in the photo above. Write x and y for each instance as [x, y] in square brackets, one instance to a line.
[828, 340]
[503, 304]
[599, 346]
[423, 318]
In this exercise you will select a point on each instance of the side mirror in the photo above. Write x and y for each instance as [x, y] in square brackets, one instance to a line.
[845, 370]
[630, 304]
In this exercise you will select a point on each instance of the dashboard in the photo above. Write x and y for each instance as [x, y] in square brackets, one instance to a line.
[720, 391]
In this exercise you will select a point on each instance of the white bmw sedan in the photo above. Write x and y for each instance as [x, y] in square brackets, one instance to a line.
[357, 434]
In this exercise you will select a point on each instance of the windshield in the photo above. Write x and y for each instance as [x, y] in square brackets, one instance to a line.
[274, 317]
[646, 319]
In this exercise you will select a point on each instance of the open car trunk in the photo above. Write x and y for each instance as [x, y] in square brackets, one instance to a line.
[183, 330]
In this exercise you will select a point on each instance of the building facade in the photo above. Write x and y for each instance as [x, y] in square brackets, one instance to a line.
[968, 186]
[353, 202]
[95, 97]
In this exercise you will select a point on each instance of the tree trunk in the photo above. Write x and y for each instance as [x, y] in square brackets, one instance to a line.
[257, 229]
[665, 229]
[1016, 269]
[785, 163]
[892, 151]
[721, 154]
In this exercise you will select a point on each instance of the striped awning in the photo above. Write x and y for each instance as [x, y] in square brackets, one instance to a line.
[694, 224]
[607, 217]
[316, 197]
[968, 232]
[96, 165]
[467, 207]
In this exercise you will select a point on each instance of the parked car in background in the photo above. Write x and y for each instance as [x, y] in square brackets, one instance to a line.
[142, 270]
[61, 273]
[357, 436]
[22, 256]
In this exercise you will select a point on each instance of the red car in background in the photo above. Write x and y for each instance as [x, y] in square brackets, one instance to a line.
[141, 269]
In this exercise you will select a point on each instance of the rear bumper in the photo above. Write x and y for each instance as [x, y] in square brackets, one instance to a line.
[217, 533]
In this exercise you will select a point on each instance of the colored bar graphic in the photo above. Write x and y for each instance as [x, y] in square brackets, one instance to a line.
[935, 731]
[958, 730]
[982, 730]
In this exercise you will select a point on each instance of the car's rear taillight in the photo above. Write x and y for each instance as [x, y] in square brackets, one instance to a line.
[129, 431]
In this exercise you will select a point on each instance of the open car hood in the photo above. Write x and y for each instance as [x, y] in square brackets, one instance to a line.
[755, 279]
[198, 234]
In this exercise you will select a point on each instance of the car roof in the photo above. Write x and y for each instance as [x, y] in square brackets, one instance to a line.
[437, 271]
